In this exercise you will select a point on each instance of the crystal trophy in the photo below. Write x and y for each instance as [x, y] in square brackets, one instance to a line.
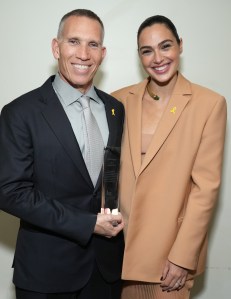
[110, 179]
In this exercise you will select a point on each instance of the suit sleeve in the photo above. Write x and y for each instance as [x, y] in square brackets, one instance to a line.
[19, 194]
[206, 178]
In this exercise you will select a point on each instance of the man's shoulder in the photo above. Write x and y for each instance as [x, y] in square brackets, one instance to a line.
[29, 98]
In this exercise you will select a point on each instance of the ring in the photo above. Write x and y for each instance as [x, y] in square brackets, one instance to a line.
[114, 223]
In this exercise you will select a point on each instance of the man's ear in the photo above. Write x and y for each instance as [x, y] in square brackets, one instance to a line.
[55, 48]
[181, 45]
[104, 52]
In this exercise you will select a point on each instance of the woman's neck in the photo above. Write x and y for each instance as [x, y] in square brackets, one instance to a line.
[162, 90]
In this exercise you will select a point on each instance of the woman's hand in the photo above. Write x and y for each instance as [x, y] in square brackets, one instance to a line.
[173, 277]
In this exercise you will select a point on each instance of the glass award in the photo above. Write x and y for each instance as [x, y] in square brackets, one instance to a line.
[110, 180]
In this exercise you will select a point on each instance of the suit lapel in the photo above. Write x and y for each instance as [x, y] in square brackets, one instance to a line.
[60, 125]
[180, 97]
[110, 115]
[108, 108]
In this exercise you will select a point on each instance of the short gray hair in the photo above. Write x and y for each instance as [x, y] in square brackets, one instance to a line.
[79, 13]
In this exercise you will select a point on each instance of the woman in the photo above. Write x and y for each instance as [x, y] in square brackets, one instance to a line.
[171, 169]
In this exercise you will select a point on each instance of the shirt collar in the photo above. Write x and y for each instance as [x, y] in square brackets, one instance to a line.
[70, 94]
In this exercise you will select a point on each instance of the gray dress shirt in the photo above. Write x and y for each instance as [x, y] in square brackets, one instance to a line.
[68, 97]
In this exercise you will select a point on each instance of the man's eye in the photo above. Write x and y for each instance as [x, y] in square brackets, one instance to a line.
[94, 45]
[73, 42]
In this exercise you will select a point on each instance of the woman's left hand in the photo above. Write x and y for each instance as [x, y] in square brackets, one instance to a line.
[173, 277]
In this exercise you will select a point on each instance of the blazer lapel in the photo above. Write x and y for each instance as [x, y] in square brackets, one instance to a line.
[180, 97]
[60, 125]
[133, 107]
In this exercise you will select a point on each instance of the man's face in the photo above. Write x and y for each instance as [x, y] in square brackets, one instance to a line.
[79, 51]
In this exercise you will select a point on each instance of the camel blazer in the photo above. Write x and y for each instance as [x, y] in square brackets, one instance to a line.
[168, 199]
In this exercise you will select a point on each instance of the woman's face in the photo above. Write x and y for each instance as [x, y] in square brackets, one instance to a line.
[159, 53]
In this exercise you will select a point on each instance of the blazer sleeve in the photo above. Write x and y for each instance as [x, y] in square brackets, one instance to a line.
[206, 178]
[19, 194]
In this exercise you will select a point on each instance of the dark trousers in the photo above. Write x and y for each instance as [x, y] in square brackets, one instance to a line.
[24, 294]
[96, 288]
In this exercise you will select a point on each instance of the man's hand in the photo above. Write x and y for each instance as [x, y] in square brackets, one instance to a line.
[105, 225]
[173, 277]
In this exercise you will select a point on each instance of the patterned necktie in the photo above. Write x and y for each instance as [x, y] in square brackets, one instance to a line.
[94, 146]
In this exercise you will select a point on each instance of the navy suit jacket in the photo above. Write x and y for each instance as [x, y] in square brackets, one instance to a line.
[44, 182]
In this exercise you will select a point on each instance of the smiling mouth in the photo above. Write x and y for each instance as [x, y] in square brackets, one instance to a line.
[161, 68]
[81, 66]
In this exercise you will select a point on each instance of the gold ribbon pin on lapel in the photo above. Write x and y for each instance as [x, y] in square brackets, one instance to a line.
[173, 110]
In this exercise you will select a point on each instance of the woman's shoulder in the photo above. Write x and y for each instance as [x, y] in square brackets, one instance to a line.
[200, 92]
[204, 90]
[123, 92]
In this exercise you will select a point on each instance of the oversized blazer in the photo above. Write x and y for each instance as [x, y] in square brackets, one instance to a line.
[167, 200]
[44, 181]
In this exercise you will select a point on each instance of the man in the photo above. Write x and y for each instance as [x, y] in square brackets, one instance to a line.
[65, 248]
